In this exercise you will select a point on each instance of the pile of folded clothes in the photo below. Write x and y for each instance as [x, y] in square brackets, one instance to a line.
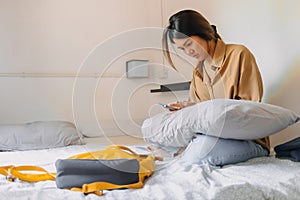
[289, 150]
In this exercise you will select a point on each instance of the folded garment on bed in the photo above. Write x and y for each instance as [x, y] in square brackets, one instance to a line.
[224, 118]
[289, 150]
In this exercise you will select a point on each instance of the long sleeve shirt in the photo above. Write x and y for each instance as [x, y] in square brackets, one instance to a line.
[232, 73]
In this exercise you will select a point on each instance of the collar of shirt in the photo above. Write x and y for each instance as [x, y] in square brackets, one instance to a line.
[219, 54]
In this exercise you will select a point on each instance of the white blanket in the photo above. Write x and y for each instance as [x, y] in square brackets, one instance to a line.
[260, 178]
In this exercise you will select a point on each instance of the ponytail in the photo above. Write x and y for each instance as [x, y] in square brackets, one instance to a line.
[217, 36]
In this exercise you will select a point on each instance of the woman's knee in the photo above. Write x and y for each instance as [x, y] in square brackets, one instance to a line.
[219, 152]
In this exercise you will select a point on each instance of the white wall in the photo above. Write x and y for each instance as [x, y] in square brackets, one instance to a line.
[55, 36]
[48, 42]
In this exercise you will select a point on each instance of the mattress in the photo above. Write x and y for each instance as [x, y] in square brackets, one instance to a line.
[259, 178]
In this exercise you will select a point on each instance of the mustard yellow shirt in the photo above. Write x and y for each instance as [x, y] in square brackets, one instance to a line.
[237, 75]
[232, 73]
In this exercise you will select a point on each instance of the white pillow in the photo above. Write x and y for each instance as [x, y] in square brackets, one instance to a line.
[225, 118]
[38, 135]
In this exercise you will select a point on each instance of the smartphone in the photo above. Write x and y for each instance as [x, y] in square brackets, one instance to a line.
[171, 108]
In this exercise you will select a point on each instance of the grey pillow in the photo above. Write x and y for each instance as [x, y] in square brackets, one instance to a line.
[38, 135]
[224, 118]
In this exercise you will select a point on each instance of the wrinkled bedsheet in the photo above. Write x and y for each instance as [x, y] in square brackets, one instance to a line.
[259, 178]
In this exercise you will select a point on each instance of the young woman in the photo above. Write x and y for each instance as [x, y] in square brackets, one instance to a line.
[222, 71]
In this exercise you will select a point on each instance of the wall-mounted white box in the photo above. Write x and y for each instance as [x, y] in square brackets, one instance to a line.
[137, 68]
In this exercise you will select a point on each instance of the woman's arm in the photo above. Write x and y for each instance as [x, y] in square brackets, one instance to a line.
[250, 85]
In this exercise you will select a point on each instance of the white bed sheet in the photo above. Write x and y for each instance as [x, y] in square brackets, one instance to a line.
[260, 178]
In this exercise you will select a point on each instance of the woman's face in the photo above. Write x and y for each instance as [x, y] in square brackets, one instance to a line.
[193, 46]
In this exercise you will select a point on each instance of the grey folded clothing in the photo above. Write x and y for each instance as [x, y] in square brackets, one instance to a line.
[77, 172]
[289, 150]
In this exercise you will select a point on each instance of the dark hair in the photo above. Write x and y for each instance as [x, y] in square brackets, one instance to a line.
[184, 24]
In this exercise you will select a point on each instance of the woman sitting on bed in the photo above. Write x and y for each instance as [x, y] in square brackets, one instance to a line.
[223, 71]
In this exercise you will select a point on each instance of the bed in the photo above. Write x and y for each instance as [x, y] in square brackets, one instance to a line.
[257, 178]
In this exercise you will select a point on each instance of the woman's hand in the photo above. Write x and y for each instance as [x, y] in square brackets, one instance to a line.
[180, 104]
